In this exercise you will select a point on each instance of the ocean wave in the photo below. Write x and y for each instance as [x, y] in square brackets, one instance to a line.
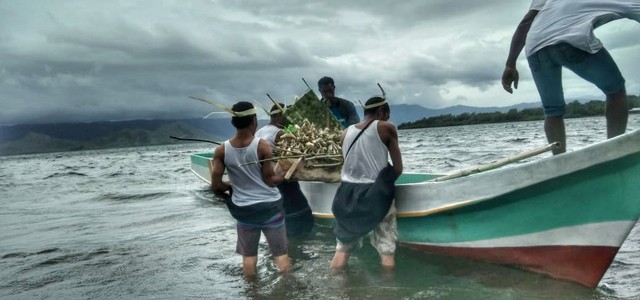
[64, 174]
[134, 197]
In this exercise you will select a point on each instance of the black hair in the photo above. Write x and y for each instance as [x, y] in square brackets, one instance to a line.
[275, 107]
[242, 122]
[324, 81]
[373, 100]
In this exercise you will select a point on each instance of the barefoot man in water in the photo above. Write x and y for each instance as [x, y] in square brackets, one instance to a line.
[255, 203]
[364, 200]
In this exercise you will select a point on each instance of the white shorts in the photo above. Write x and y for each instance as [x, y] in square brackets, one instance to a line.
[383, 237]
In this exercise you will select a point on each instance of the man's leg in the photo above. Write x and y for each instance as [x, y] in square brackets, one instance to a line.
[617, 113]
[600, 69]
[278, 243]
[385, 237]
[249, 264]
[547, 74]
[388, 261]
[555, 131]
[283, 263]
[247, 246]
[340, 260]
[343, 252]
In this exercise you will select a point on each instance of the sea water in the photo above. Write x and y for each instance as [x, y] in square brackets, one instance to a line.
[135, 223]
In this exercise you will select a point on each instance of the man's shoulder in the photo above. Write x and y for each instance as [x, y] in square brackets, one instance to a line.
[537, 4]
[387, 125]
[267, 128]
[345, 102]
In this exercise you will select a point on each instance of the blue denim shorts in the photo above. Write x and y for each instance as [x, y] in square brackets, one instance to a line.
[546, 67]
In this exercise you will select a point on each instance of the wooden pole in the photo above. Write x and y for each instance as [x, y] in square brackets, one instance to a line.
[293, 168]
[270, 159]
[305, 156]
[195, 140]
[497, 164]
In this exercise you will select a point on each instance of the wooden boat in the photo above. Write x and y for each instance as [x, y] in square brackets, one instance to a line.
[565, 215]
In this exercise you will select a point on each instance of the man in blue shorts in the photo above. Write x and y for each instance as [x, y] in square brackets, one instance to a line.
[255, 203]
[559, 33]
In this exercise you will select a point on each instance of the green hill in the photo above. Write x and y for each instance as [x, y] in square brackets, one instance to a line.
[41, 143]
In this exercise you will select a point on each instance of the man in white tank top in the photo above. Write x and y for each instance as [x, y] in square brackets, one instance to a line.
[298, 215]
[255, 202]
[364, 200]
[559, 34]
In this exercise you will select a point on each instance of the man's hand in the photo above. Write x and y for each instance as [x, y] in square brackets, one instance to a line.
[509, 76]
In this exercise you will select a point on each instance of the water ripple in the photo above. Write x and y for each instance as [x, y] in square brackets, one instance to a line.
[132, 197]
[64, 174]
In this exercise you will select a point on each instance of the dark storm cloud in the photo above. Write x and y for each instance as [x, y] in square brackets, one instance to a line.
[97, 60]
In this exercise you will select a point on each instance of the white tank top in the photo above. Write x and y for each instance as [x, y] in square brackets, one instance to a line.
[367, 157]
[268, 133]
[248, 186]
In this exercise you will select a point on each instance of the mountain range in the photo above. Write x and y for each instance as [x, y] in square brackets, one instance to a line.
[39, 138]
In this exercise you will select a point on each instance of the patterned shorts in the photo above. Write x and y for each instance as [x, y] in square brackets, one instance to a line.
[274, 231]
[383, 237]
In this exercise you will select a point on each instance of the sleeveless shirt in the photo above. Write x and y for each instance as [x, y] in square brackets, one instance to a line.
[248, 186]
[367, 157]
[268, 133]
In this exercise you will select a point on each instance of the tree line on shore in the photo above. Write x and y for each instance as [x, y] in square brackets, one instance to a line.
[574, 109]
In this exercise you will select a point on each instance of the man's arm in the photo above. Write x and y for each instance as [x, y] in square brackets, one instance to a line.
[268, 174]
[276, 139]
[217, 185]
[389, 136]
[352, 115]
[510, 74]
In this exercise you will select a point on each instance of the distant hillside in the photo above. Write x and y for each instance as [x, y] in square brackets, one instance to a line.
[37, 143]
[38, 138]
[76, 137]
[88, 131]
[404, 113]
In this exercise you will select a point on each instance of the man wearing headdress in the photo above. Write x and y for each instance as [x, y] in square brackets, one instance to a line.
[255, 203]
[364, 199]
[298, 218]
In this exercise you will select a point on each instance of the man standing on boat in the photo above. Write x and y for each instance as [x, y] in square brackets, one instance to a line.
[342, 109]
[298, 216]
[364, 200]
[255, 203]
[559, 34]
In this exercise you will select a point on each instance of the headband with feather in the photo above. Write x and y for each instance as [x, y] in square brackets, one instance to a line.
[244, 113]
[383, 102]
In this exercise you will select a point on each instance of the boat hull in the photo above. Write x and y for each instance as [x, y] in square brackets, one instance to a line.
[565, 215]
[582, 264]
[570, 226]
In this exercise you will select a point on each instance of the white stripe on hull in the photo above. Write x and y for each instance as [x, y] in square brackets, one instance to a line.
[424, 197]
[610, 234]
[201, 172]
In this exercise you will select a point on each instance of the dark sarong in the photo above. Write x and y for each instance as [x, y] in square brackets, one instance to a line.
[360, 207]
[255, 213]
[298, 218]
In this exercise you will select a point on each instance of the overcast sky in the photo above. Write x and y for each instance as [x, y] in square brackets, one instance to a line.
[88, 60]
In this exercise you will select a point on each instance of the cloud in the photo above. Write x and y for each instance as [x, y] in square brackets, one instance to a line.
[105, 60]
